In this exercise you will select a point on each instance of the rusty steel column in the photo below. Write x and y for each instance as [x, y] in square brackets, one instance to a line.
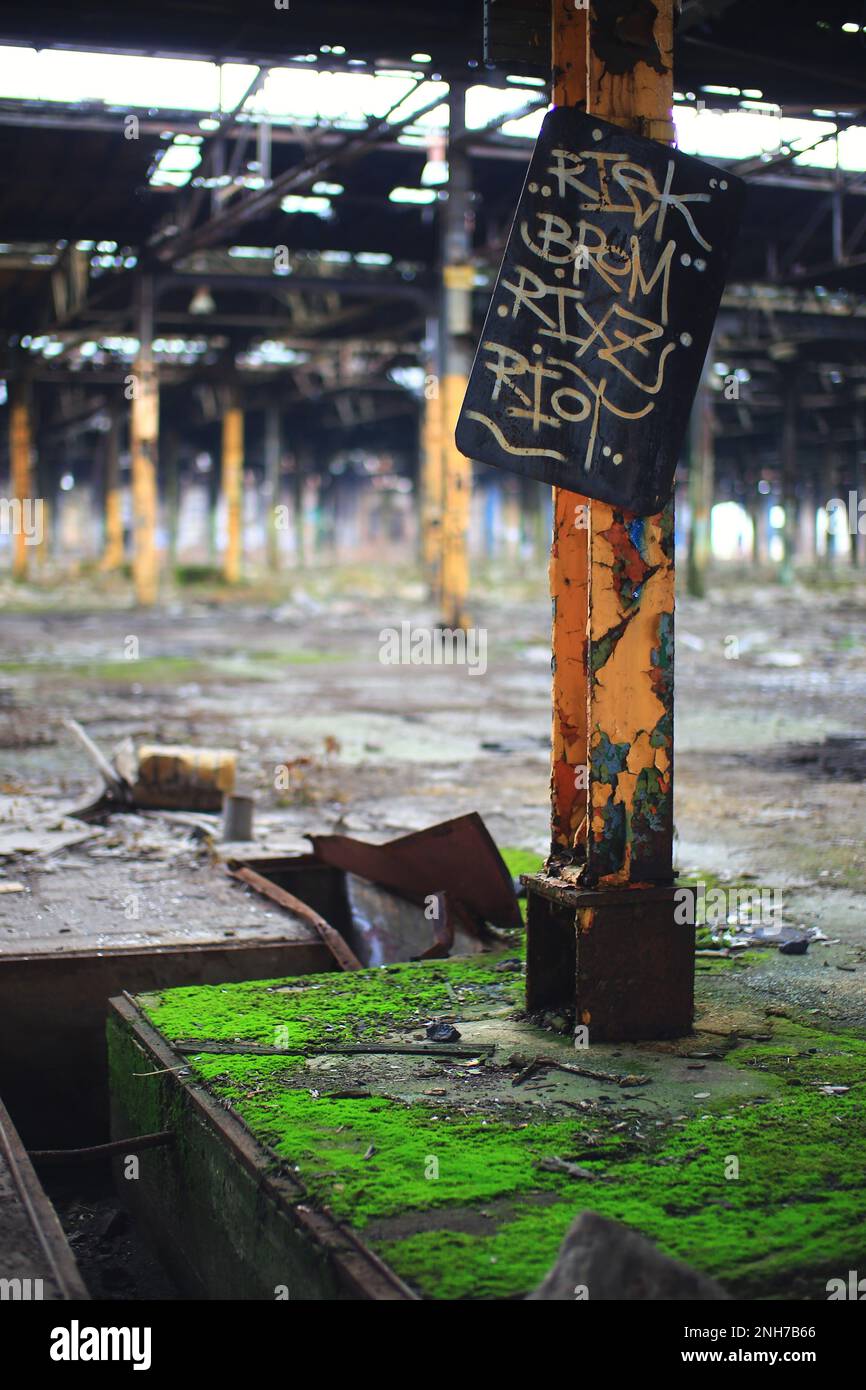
[232, 486]
[22, 474]
[457, 279]
[144, 448]
[601, 930]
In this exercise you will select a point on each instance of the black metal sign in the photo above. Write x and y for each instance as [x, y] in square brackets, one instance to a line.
[602, 313]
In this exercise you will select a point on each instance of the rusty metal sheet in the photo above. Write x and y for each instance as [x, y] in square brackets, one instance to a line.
[376, 926]
[387, 927]
[344, 957]
[601, 316]
[457, 857]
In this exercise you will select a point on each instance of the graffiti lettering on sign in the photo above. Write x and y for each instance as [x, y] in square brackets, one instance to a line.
[601, 314]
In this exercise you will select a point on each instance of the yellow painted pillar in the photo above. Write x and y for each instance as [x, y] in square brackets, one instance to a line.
[144, 445]
[112, 554]
[456, 357]
[611, 782]
[21, 468]
[456, 503]
[602, 935]
[432, 479]
[144, 450]
[232, 487]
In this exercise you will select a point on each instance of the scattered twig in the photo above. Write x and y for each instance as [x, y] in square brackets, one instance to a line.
[608, 1077]
[160, 1071]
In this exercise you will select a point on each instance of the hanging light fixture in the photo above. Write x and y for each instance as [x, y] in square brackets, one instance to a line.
[202, 301]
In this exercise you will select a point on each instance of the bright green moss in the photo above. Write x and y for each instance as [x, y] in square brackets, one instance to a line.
[706, 965]
[522, 861]
[768, 1197]
[350, 1007]
[806, 1056]
[468, 1266]
[797, 1204]
[474, 1160]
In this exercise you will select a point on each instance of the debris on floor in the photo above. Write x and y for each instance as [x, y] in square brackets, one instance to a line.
[159, 776]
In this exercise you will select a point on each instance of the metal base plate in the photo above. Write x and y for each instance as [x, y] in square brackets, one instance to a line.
[617, 957]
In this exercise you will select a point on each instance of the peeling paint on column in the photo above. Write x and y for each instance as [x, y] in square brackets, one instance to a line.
[623, 35]
[613, 624]
[569, 587]
[630, 654]
[611, 572]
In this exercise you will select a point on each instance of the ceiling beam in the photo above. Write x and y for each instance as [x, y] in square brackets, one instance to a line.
[307, 172]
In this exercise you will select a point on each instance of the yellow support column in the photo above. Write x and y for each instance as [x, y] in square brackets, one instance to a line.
[144, 449]
[569, 554]
[457, 280]
[456, 503]
[613, 678]
[21, 468]
[232, 483]
[432, 439]
[602, 935]
[144, 444]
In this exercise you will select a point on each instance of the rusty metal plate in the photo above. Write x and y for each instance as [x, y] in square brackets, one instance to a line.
[457, 857]
[602, 312]
[617, 956]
